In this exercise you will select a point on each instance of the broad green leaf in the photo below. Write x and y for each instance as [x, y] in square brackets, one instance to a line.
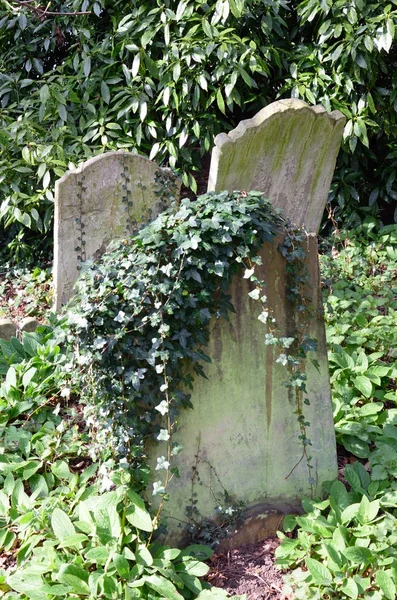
[143, 556]
[44, 93]
[220, 102]
[139, 518]
[358, 554]
[29, 585]
[98, 555]
[163, 587]
[367, 510]
[350, 513]
[28, 376]
[122, 565]
[87, 66]
[62, 525]
[333, 554]
[181, 9]
[340, 494]
[76, 577]
[74, 541]
[135, 65]
[105, 92]
[61, 470]
[364, 385]
[318, 571]
[191, 582]
[386, 584]
[62, 114]
[57, 590]
[353, 478]
[193, 567]
[350, 589]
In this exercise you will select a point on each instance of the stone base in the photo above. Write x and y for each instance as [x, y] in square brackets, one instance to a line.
[260, 522]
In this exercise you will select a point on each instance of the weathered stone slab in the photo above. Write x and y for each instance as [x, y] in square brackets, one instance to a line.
[8, 329]
[242, 435]
[287, 151]
[105, 199]
[29, 324]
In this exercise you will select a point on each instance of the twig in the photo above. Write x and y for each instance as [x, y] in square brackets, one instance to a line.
[42, 12]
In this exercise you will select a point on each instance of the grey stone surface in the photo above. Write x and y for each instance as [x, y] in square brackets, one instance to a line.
[288, 151]
[242, 435]
[105, 199]
[29, 324]
[8, 329]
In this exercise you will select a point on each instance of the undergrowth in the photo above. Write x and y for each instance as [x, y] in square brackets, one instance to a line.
[72, 525]
[346, 546]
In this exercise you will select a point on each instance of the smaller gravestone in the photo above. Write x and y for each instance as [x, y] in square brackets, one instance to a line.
[288, 151]
[107, 198]
[29, 324]
[8, 329]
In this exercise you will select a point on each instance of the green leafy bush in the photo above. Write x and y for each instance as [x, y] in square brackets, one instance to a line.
[360, 302]
[347, 545]
[164, 79]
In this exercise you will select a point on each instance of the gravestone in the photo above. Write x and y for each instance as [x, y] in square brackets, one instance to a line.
[107, 198]
[8, 329]
[242, 435]
[288, 151]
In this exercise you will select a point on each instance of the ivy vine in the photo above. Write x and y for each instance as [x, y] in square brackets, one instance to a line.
[138, 326]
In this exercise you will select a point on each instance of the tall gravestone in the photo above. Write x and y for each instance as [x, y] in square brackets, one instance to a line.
[287, 151]
[242, 435]
[107, 198]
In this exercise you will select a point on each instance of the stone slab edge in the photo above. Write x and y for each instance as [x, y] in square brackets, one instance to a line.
[275, 108]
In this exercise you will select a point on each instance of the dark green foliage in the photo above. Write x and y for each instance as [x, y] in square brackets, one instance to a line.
[360, 284]
[165, 78]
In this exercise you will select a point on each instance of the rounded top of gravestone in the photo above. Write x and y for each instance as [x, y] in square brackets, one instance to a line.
[288, 151]
[107, 157]
[274, 109]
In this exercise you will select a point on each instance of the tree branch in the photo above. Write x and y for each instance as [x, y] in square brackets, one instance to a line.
[41, 12]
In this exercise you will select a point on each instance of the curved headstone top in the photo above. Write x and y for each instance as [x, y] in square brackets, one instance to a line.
[107, 198]
[288, 151]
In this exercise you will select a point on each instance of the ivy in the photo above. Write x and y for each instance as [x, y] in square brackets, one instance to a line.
[139, 323]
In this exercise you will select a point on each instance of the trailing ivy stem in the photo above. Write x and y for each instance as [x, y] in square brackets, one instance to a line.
[168, 476]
